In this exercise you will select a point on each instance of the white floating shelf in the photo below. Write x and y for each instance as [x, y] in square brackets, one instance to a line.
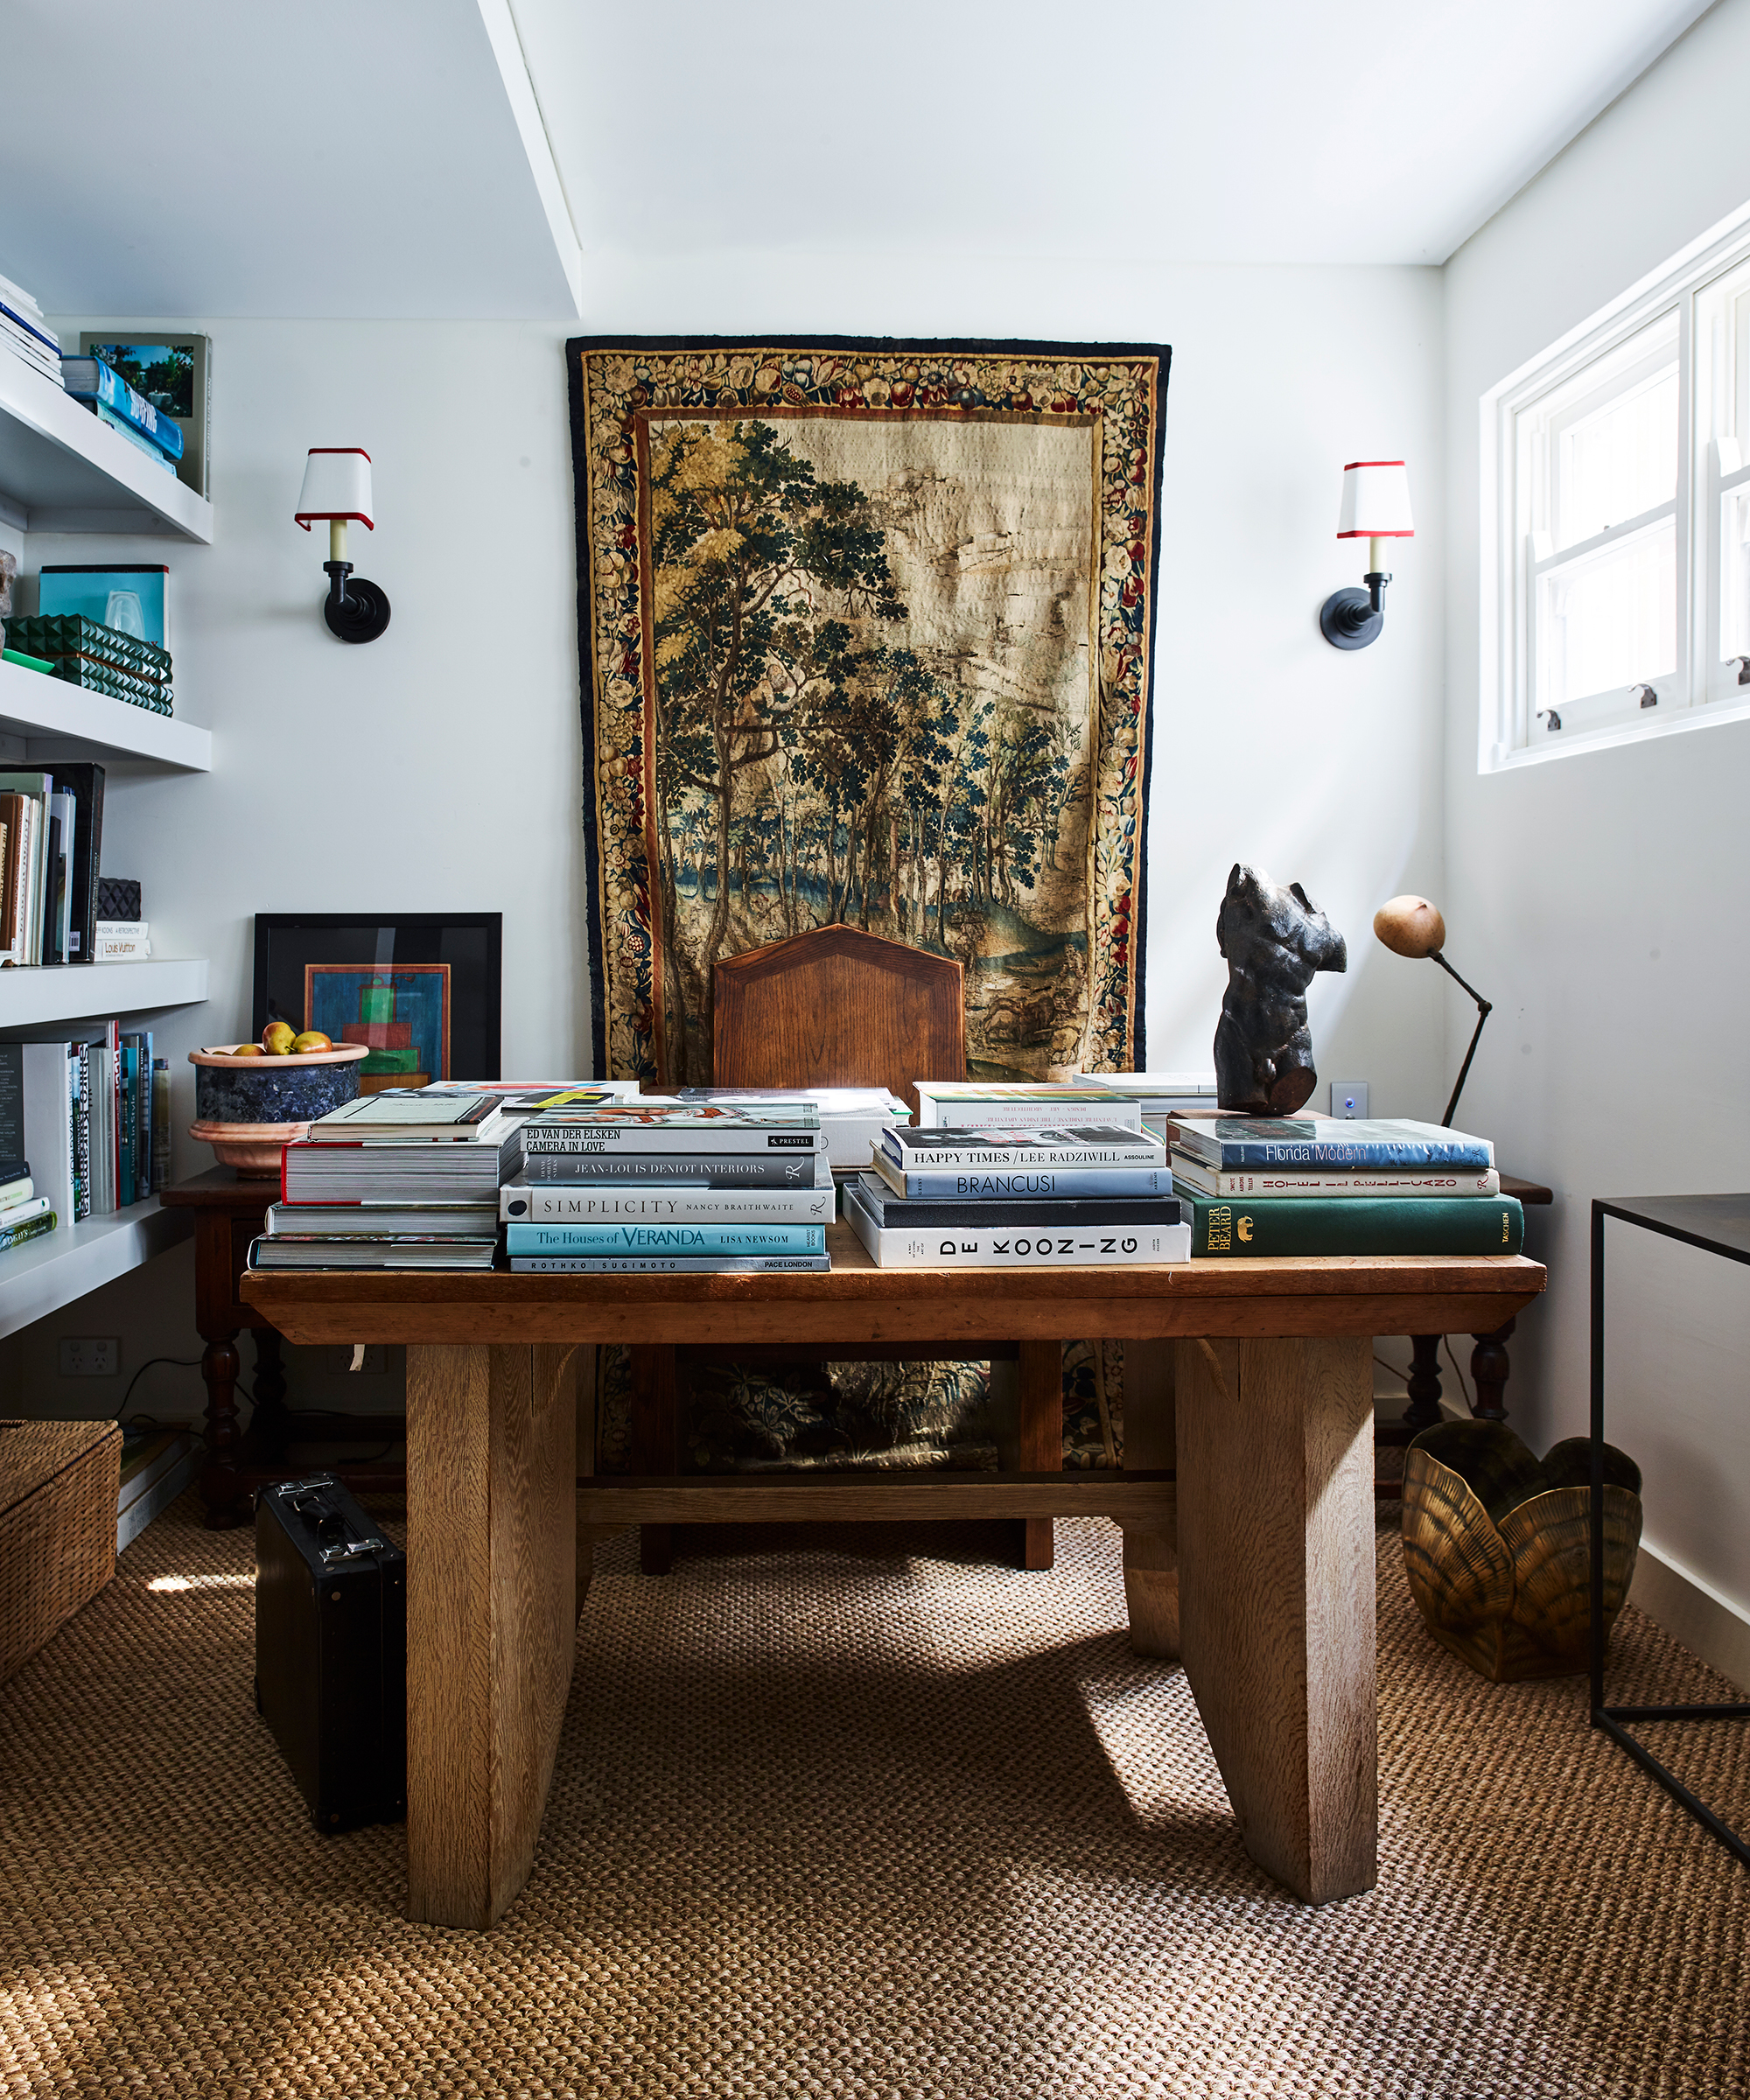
[43, 1274]
[83, 992]
[42, 717]
[62, 471]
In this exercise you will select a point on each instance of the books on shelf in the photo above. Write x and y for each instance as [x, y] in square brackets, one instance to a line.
[852, 1118]
[999, 1105]
[1373, 1143]
[1080, 1183]
[1084, 1145]
[102, 389]
[22, 1234]
[1306, 1185]
[993, 1246]
[121, 941]
[51, 837]
[81, 1112]
[1254, 1182]
[174, 373]
[1355, 1225]
[26, 333]
[694, 1157]
[665, 1202]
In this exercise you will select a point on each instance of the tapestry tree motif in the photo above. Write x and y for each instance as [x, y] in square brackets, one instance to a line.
[865, 635]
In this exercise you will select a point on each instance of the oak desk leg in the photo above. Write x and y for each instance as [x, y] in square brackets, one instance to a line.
[1027, 1405]
[1152, 1549]
[491, 1617]
[1277, 1598]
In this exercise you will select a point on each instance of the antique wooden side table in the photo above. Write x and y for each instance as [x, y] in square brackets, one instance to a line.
[229, 1211]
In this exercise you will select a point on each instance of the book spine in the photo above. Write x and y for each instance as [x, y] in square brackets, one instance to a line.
[87, 783]
[1030, 1247]
[145, 1170]
[84, 1131]
[725, 1265]
[77, 1177]
[124, 1125]
[610, 1205]
[665, 1239]
[891, 1214]
[721, 1170]
[90, 379]
[160, 1123]
[1352, 1225]
[1026, 1115]
[31, 329]
[16, 1236]
[1131, 1182]
[698, 1140]
[962, 1159]
[1334, 1181]
[135, 437]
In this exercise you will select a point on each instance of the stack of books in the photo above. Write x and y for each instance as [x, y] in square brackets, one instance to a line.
[100, 660]
[87, 1124]
[1158, 1095]
[659, 1184]
[50, 843]
[1014, 1104]
[25, 1215]
[1319, 1185]
[99, 388]
[26, 333]
[1081, 1195]
[852, 1118]
[392, 1181]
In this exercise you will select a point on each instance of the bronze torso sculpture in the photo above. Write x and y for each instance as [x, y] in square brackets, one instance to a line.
[1274, 940]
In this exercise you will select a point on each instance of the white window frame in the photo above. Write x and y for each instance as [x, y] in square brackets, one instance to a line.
[1707, 289]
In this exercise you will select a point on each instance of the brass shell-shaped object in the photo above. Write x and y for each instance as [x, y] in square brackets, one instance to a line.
[1459, 1569]
[1513, 1599]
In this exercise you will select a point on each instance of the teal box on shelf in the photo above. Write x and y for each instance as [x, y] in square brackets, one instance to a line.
[133, 600]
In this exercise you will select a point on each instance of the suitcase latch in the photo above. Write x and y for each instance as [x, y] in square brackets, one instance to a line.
[356, 1545]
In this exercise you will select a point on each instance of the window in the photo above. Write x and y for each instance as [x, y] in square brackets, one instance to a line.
[1616, 515]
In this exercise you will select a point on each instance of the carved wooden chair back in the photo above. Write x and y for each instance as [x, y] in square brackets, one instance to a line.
[837, 1007]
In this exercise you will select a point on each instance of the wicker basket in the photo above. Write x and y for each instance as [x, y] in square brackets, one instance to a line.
[59, 1482]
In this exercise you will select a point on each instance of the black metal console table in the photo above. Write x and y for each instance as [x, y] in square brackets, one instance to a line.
[1718, 1225]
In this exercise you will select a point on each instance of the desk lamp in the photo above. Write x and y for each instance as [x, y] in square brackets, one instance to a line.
[1412, 926]
[336, 488]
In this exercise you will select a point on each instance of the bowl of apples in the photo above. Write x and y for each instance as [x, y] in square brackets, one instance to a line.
[251, 1100]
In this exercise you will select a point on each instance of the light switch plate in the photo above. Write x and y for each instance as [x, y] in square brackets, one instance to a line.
[1348, 1097]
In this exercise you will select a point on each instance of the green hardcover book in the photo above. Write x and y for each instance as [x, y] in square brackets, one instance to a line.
[1306, 1225]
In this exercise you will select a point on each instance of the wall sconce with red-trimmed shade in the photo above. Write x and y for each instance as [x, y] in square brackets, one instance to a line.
[1375, 508]
[337, 487]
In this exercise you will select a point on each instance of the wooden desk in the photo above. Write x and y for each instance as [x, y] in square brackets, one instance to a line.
[1256, 1563]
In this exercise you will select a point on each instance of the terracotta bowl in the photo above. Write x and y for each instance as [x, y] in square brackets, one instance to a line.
[248, 1109]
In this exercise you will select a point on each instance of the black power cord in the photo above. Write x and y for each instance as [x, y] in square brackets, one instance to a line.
[186, 1363]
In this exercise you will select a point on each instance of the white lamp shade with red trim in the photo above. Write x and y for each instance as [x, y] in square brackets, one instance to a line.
[1376, 501]
[337, 483]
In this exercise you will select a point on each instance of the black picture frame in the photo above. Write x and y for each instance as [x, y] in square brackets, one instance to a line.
[471, 943]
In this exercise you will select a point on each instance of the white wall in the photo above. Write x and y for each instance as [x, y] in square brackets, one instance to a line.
[1595, 898]
[441, 767]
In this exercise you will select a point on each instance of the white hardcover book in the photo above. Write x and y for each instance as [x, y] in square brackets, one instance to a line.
[943, 1106]
[1332, 1181]
[1151, 1086]
[621, 1203]
[990, 1247]
[48, 1126]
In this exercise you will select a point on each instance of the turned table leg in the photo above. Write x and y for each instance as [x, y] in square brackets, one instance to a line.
[1423, 1382]
[1277, 1597]
[222, 1488]
[491, 1502]
[1027, 1405]
[1489, 1370]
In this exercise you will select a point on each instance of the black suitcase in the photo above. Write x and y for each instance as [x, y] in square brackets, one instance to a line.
[331, 1650]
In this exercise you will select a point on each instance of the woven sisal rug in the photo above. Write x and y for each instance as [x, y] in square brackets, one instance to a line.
[860, 1815]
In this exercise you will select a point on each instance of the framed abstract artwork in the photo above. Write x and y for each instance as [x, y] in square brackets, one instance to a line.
[866, 634]
[421, 990]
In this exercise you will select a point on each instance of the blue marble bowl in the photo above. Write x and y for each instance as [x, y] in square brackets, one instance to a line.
[248, 1109]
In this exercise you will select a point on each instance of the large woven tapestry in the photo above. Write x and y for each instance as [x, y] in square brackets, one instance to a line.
[865, 632]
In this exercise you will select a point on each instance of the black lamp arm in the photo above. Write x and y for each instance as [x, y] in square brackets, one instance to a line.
[1484, 1008]
[1376, 582]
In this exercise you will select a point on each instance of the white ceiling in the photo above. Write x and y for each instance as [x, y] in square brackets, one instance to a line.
[366, 157]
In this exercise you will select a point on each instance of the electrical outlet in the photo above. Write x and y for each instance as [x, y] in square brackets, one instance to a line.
[89, 1357]
[370, 1359]
[1348, 1098]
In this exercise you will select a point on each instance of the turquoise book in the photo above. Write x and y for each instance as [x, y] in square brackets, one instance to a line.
[89, 379]
[603, 1239]
[1309, 1225]
[1229, 1142]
